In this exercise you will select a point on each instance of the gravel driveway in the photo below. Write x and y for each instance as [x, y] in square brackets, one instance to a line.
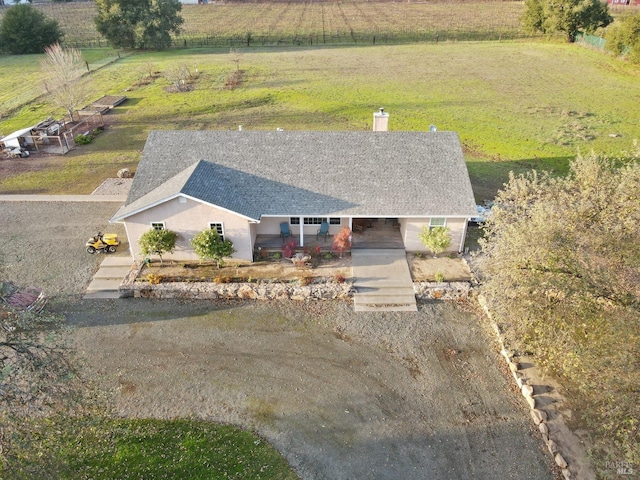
[341, 395]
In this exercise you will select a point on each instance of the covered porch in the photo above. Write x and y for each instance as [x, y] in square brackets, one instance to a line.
[366, 233]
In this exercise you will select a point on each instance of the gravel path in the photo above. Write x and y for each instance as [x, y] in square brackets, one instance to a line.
[42, 244]
[341, 395]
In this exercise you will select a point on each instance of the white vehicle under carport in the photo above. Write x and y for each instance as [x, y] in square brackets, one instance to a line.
[483, 215]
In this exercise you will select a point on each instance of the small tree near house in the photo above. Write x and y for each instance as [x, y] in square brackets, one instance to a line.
[157, 242]
[209, 245]
[436, 239]
[342, 241]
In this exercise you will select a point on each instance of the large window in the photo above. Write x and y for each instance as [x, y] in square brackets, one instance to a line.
[314, 220]
[218, 228]
[158, 225]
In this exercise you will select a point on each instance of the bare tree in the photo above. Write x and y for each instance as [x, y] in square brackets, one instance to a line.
[236, 56]
[63, 69]
[178, 76]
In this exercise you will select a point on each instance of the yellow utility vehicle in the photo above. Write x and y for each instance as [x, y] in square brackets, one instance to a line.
[103, 243]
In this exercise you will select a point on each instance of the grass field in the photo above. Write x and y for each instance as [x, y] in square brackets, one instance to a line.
[515, 105]
[102, 448]
[303, 23]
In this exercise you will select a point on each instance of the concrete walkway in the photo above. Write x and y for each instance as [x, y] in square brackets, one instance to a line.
[109, 276]
[382, 281]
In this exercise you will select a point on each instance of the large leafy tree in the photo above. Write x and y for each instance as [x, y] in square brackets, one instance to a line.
[623, 37]
[565, 16]
[27, 30]
[138, 23]
[562, 260]
[209, 245]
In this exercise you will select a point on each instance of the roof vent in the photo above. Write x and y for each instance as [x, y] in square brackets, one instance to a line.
[380, 121]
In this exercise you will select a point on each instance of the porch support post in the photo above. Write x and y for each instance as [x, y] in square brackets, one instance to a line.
[464, 235]
[351, 223]
[126, 231]
[302, 231]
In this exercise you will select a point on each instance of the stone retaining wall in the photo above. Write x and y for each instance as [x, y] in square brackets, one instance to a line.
[254, 291]
[327, 290]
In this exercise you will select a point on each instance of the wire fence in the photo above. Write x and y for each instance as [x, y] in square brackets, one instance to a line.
[591, 40]
[340, 38]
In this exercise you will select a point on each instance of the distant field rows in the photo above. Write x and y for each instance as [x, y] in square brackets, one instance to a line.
[316, 23]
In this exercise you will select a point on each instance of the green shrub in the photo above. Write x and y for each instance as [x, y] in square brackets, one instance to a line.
[436, 239]
[83, 139]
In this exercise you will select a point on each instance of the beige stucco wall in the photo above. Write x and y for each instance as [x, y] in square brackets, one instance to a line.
[410, 228]
[187, 219]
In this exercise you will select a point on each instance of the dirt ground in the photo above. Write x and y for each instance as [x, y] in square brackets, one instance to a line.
[281, 269]
[34, 162]
[342, 395]
[423, 269]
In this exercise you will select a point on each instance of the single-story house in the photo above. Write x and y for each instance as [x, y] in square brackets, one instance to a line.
[246, 184]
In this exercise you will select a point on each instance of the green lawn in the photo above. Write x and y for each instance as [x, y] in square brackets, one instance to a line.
[100, 448]
[515, 105]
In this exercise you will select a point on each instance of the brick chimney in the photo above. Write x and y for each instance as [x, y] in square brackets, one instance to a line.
[380, 121]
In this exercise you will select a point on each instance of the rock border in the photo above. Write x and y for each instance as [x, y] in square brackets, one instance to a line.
[538, 415]
[441, 290]
[272, 290]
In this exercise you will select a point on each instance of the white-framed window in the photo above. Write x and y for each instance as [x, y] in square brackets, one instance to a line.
[314, 220]
[437, 222]
[218, 227]
[158, 225]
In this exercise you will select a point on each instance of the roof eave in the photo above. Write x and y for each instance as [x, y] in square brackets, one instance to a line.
[120, 218]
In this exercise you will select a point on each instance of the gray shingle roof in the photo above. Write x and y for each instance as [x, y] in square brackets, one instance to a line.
[292, 173]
